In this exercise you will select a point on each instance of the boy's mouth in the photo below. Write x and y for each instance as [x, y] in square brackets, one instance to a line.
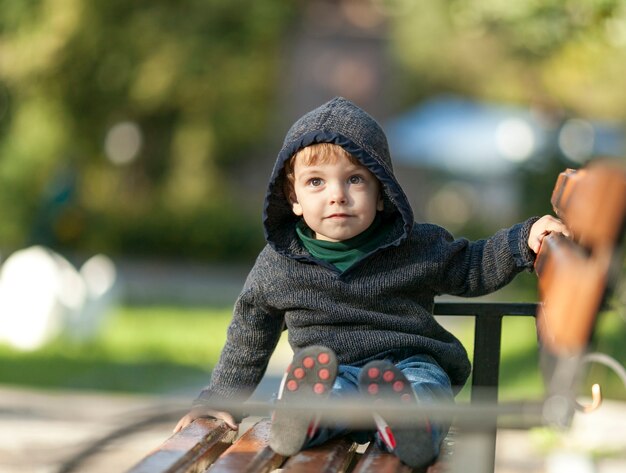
[338, 215]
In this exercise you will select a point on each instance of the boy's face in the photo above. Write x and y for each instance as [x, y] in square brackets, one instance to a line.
[337, 199]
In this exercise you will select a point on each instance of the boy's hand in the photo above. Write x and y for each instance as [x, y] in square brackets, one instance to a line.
[197, 412]
[542, 227]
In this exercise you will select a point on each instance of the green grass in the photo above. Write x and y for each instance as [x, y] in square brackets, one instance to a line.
[168, 349]
[610, 339]
[140, 349]
[520, 376]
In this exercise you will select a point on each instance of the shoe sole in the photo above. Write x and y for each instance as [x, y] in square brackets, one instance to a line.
[381, 381]
[310, 376]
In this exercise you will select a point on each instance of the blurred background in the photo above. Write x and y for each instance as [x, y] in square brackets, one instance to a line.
[136, 140]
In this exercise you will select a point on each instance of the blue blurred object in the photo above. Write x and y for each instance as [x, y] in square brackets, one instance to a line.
[479, 139]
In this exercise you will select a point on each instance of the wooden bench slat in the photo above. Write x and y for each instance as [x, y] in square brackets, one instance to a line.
[445, 458]
[190, 450]
[592, 202]
[563, 190]
[574, 274]
[250, 452]
[571, 286]
[375, 460]
[333, 456]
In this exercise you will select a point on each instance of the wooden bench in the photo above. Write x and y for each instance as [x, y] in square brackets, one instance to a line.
[575, 276]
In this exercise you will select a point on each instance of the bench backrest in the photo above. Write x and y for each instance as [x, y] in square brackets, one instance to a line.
[575, 274]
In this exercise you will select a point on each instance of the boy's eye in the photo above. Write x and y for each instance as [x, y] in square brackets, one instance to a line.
[315, 182]
[355, 179]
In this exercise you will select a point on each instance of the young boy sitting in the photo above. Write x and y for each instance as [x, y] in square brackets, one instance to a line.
[353, 279]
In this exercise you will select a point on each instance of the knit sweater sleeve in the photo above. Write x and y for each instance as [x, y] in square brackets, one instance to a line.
[480, 267]
[252, 336]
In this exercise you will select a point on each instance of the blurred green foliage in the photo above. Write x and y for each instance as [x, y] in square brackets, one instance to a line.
[561, 56]
[194, 82]
[190, 88]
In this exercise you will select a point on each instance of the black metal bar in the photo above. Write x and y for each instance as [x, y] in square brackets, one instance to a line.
[486, 357]
[485, 309]
[486, 363]
[487, 339]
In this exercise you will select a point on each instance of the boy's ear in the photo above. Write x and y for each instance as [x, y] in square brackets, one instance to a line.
[297, 209]
[380, 205]
[295, 206]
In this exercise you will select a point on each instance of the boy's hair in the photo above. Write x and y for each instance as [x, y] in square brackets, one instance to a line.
[313, 154]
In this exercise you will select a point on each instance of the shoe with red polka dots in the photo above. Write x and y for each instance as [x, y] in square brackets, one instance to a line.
[380, 381]
[310, 376]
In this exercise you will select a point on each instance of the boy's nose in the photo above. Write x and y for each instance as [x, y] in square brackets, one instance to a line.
[338, 194]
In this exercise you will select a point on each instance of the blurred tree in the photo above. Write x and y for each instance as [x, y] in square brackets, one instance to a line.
[151, 106]
[558, 58]
[155, 101]
[554, 54]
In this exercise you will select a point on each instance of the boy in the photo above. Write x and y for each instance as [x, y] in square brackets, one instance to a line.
[353, 278]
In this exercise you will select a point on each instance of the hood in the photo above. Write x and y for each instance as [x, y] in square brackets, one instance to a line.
[341, 122]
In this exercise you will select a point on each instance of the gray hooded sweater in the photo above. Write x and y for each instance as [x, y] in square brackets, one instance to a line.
[381, 305]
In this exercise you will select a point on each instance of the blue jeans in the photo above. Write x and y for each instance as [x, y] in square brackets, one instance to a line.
[429, 382]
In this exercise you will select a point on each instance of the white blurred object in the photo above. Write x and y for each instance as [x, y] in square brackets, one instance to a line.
[515, 139]
[569, 462]
[42, 295]
[99, 275]
[123, 143]
[30, 309]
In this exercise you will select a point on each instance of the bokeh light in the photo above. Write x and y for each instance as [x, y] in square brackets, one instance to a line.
[452, 205]
[123, 143]
[576, 140]
[515, 139]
